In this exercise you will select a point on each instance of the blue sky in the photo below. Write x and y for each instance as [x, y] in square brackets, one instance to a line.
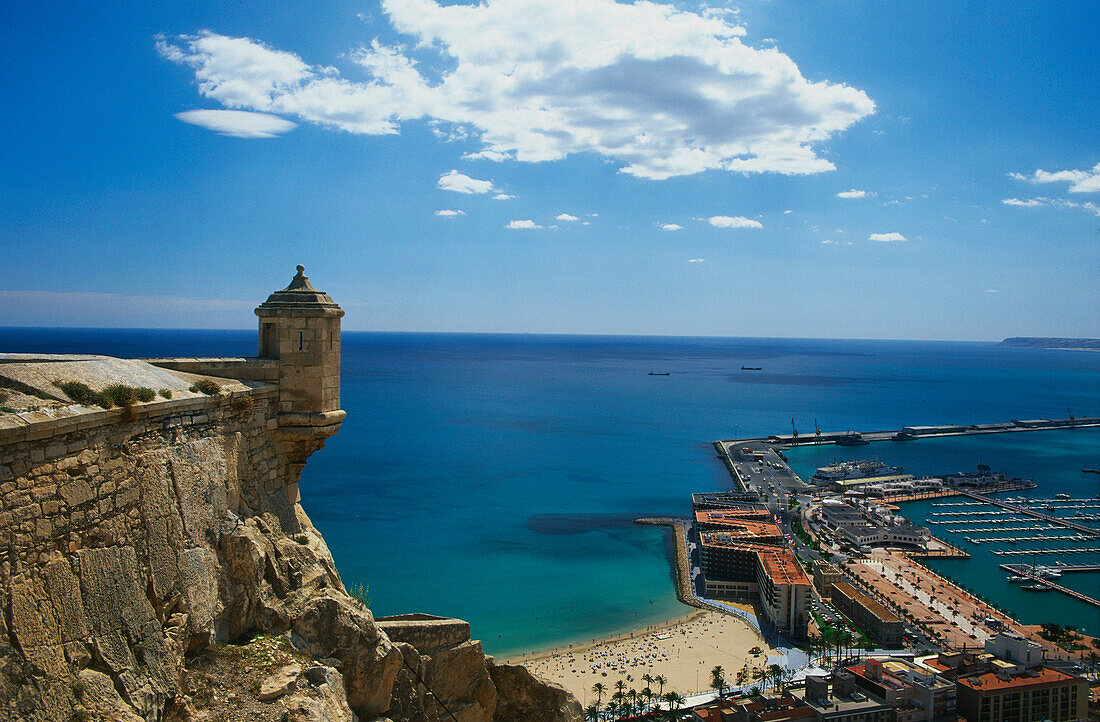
[837, 168]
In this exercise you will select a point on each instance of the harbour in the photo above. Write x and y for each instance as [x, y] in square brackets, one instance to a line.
[1051, 525]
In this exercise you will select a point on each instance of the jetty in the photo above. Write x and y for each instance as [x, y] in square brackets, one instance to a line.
[915, 433]
[1026, 570]
[1025, 511]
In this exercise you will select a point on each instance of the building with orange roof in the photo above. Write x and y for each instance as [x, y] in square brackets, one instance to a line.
[764, 709]
[743, 523]
[1039, 693]
[868, 614]
[737, 566]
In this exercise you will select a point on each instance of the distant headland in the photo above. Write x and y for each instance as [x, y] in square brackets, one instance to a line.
[1076, 344]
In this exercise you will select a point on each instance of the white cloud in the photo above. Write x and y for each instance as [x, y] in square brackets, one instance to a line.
[1081, 181]
[887, 237]
[787, 212]
[448, 213]
[565, 217]
[990, 290]
[238, 123]
[733, 222]
[524, 225]
[696, 260]
[661, 91]
[852, 194]
[669, 226]
[462, 183]
[502, 197]
[1040, 202]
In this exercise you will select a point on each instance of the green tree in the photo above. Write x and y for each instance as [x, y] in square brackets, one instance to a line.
[674, 702]
[661, 682]
[776, 672]
[599, 689]
[718, 680]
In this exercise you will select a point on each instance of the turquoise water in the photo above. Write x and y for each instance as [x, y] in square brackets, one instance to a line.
[1052, 459]
[494, 478]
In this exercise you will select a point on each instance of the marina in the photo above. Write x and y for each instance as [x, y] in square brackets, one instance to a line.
[1052, 523]
[1043, 580]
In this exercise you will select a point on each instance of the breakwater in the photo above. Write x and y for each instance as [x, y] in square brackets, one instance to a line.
[914, 433]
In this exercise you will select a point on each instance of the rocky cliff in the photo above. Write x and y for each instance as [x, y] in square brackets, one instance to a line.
[155, 567]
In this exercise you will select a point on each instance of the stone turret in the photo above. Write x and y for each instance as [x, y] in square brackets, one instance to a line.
[300, 328]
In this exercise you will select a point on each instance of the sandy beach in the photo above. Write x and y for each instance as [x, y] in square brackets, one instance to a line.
[682, 650]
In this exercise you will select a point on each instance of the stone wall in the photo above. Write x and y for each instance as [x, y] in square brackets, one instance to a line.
[133, 539]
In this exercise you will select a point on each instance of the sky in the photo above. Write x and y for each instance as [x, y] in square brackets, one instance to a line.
[783, 168]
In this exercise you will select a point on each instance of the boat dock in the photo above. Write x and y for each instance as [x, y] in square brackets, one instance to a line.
[1025, 570]
[1023, 510]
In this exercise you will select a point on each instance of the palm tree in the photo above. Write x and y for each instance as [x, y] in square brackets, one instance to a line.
[598, 689]
[617, 704]
[718, 679]
[759, 674]
[674, 702]
[813, 644]
[632, 695]
[661, 682]
[646, 698]
[620, 687]
[592, 713]
[776, 672]
[845, 639]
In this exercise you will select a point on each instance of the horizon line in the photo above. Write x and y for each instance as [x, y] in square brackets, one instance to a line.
[547, 333]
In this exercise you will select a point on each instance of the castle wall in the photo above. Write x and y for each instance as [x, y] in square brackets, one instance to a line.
[131, 540]
[112, 522]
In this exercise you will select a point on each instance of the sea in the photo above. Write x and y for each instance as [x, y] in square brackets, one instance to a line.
[495, 478]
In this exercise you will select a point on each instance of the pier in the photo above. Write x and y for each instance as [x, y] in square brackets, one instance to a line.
[914, 433]
[1032, 513]
[1025, 570]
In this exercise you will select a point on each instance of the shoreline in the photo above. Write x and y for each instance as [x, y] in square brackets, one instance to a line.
[678, 654]
[581, 647]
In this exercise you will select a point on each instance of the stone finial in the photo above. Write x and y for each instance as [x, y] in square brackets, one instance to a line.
[300, 282]
[300, 297]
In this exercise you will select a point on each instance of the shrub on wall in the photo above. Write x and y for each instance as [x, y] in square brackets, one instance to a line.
[205, 386]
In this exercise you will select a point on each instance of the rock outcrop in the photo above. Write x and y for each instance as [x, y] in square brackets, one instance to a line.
[142, 548]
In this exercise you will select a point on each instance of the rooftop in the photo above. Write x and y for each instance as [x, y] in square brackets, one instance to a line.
[301, 296]
[737, 516]
[876, 480]
[738, 527]
[778, 562]
[992, 682]
[781, 565]
[874, 607]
